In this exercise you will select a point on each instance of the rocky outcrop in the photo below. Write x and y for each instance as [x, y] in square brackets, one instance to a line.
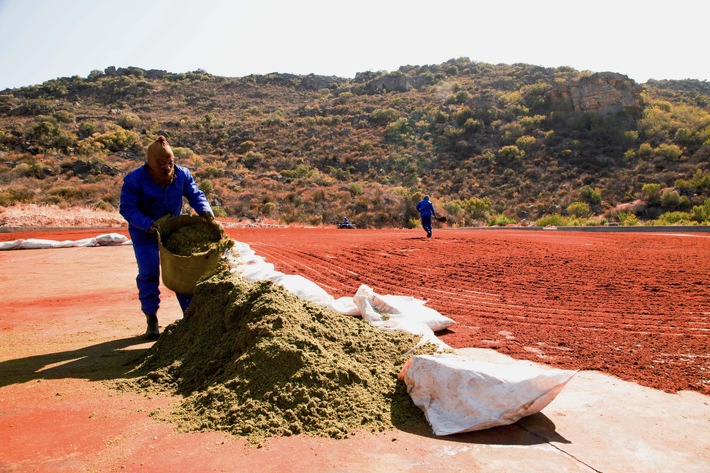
[603, 92]
[389, 82]
[316, 82]
[112, 71]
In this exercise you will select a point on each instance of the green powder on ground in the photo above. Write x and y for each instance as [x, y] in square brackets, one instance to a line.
[254, 360]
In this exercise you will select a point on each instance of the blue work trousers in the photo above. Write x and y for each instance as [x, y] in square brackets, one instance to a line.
[145, 247]
[426, 222]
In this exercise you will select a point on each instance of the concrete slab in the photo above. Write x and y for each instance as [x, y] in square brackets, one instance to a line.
[605, 424]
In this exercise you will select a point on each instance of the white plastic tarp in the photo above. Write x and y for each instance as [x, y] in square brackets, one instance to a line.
[39, 243]
[462, 395]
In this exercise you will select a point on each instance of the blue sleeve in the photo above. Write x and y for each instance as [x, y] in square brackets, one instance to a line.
[195, 197]
[131, 195]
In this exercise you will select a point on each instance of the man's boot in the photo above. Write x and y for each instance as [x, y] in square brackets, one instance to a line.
[152, 332]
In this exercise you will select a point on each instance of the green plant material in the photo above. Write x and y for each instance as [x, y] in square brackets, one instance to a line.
[579, 209]
[254, 360]
[198, 237]
[628, 219]
[674, 218]
[500, 220]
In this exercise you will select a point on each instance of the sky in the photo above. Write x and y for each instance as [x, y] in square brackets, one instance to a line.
[41, 40]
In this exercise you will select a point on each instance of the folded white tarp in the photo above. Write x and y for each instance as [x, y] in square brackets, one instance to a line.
[388, 311]
[462, 395]
[380, 314]
[39, 243]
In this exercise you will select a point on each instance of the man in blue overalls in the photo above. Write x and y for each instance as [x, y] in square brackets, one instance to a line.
[426, 211]
[149, 192]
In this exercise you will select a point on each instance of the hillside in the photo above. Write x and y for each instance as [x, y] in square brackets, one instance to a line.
[492, 144]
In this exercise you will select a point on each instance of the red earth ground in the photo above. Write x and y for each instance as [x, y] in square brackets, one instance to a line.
[635, 305]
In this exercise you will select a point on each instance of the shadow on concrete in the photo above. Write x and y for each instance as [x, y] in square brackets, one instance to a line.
[104, 361]
[532, 430]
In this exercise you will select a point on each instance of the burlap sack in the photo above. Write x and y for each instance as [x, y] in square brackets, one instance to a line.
[181, 273]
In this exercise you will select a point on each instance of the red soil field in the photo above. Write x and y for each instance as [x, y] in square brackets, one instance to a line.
[635, 305]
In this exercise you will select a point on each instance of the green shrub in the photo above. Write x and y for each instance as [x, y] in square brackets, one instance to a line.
[116, 139]
[554, 220]
[651, 192]
[525, 142]
[701, 213]
[472, 126]
[245, 146]
[591, 196]
[670, 199]
[129, 121]
[206, 186]
[477, 208]
[15, 195]
[674, 218]
[182, 153]
[355, 189]
[302, 171]
[87, 129]
[384, 116]
[398, 130]
[579, 209]
[102, 205]
[628, 219]
[509, 153]
[499, 220]
[671, 151]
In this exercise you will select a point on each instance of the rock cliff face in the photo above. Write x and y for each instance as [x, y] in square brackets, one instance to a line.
[392, 82]
[603, 92]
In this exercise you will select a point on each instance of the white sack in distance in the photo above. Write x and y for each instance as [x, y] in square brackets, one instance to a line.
[108, 239]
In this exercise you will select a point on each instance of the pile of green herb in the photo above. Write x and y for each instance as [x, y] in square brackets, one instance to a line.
[257, 361]
[197, 237]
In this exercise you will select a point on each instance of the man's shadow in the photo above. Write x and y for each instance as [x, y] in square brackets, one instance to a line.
[105, 361]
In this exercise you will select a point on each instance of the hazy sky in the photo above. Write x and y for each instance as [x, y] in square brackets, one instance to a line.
[46, 39]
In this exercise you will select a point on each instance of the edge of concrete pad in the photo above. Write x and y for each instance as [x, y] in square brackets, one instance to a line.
[611, 425]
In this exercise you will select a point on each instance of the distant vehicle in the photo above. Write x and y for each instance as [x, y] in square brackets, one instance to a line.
[346, 224]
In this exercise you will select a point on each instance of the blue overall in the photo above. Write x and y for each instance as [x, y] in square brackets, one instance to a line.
[426, 210]
[143, 201]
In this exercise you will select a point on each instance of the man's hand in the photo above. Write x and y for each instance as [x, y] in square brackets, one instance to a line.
[207, 216]
[153, 229]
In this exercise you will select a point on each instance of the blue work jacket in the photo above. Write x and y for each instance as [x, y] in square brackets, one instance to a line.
[143, 201]
[425, 208]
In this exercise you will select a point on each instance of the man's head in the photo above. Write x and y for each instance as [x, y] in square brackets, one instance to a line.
[161, 161]
[426, 197]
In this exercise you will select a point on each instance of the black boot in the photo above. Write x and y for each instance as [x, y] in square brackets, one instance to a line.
[152, 332]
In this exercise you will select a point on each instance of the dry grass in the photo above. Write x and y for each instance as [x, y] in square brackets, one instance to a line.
[39, 216]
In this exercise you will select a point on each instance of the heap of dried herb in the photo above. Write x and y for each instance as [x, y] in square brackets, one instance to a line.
[257, 361]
